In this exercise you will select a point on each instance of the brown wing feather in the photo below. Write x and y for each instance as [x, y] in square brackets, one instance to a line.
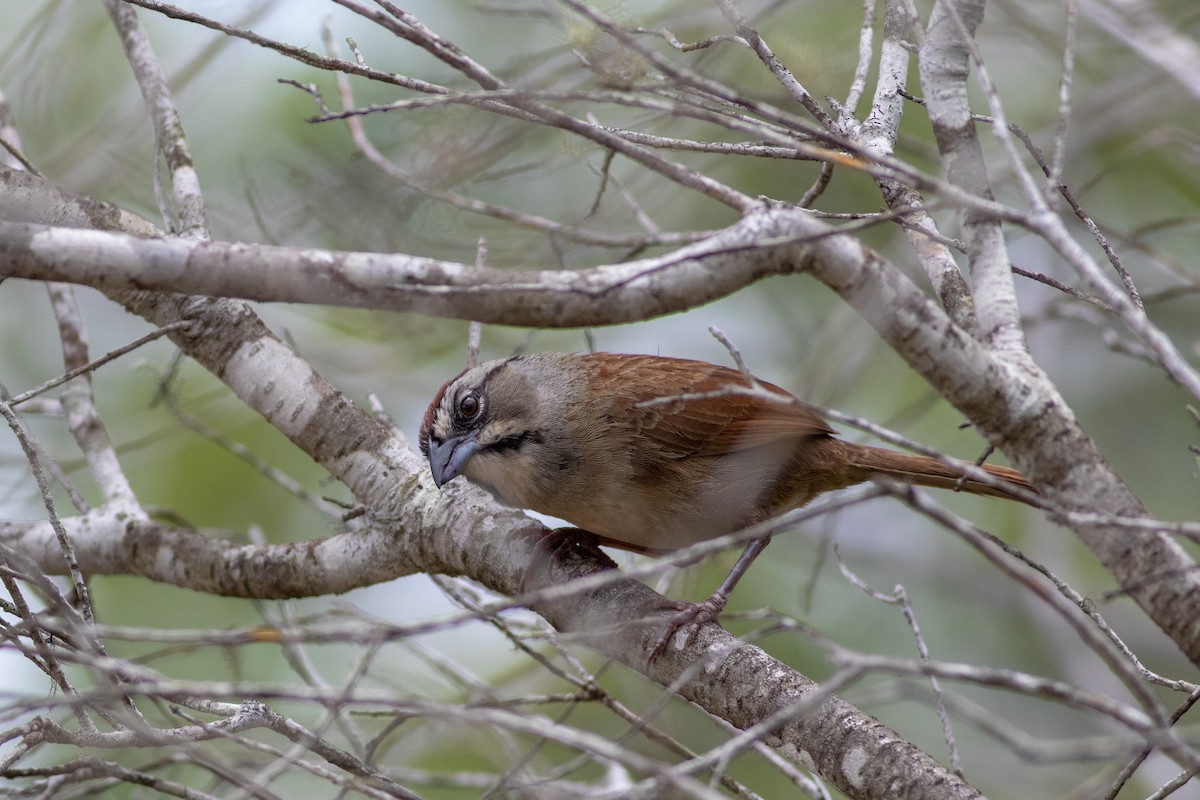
[722, 423]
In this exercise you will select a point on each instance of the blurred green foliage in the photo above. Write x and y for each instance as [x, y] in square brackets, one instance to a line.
[270, 176]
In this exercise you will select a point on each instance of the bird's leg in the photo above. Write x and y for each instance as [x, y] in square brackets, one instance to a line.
[557, 543]
[691, 615]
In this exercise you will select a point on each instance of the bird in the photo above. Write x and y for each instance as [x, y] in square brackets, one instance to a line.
[652, 454]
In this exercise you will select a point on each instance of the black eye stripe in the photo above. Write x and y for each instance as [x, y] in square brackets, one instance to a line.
[509, 443]
[491, 373]
[516, 441]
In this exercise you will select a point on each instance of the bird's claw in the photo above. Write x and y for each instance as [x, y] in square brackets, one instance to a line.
[689, 616]
[557, 543]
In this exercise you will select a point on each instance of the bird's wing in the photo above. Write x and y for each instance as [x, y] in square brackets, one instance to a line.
[696, 408]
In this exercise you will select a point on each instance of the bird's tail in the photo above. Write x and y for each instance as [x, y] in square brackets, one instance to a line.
[925, 471]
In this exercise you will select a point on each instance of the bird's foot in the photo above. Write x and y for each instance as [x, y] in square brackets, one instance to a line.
[691, 616]
[688, 616]
[556, 544]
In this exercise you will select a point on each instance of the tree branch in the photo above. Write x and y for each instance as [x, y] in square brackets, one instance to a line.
[461, 531]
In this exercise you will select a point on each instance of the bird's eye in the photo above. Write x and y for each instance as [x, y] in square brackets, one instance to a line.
[468, 406]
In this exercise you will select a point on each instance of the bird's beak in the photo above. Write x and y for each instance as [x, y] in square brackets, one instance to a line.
[447, 459]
